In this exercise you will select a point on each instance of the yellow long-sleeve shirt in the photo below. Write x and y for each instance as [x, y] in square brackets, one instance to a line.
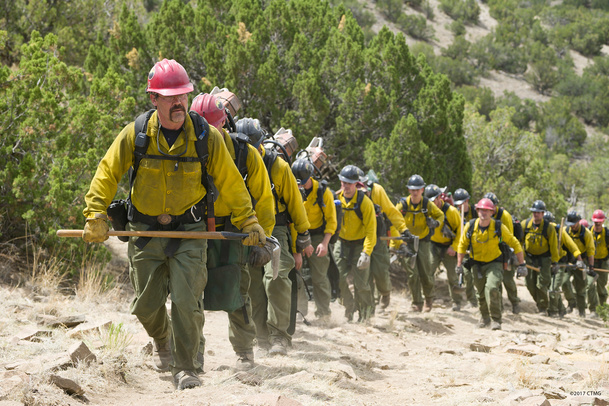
[352, 227]
[316, 213]
[414, 217]
[485, 243]
[378, 195]
[536, 243]
[258, 184]
[506, 218]
[162, 186]
[600, 244]
[287, 191]
[453, 219]
[586, 247]
[566, 242]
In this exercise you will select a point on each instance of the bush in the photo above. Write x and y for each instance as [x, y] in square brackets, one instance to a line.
[391, 9]
[457, 28]
[482, 99]
[466, 10]
[415, 26]
[525, 111]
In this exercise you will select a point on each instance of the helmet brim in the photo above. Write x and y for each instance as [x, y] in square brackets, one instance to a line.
[460, 202]
[347, 180]
[571, 223]
[173, 91]
[415, 187]
[536, 210]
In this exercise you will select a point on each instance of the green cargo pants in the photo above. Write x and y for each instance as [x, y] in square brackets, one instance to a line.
[346, 254]
[379, 269]
[318, 267]
[555, 303]
[488, 277]
[580, 285]
[153, 276]
[601, 282]
[421, 276]
[440, 254]
[510, 284]
[271, 299]
[538, 283]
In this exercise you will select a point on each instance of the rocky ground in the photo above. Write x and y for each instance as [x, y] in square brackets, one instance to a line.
[58, 349]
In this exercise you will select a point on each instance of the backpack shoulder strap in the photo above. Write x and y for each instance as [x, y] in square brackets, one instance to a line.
[358, 205]
[404, 208]
[470, 230]
[424, 206]
[321, 189]
[546, 230]
[141, 143]
[498, 229]
[500, 213]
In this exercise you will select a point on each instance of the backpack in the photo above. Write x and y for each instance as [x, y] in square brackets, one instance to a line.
[240, 144]
[516, 226]
[405, 210]
[527, 227]
[444, 209]
[269, 160]
[201, 131]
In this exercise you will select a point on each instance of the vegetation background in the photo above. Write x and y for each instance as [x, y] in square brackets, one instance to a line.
[72, 74]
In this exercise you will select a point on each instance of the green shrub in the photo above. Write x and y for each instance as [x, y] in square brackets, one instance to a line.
[466, 10]
[415, 26]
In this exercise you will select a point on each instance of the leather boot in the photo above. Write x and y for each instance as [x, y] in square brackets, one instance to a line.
[428, 305]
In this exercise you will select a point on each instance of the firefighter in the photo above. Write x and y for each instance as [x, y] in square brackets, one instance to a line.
[483, 237]
[541, 249]
[356, 242]
[462, 197]
[421, 218]
[272, 297]
[241, 330]
[169, 194]
[582, 274]
[321, 212]
[380, 260]
[600, 234]
[509, 282]
[445, 241]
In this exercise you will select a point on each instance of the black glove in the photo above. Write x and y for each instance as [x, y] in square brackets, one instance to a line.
[447, 232]
[554, 268]
[406, 235]
[591, 272]
[405, 251]
[259, 256]
[459, 269]
[303, 240]
[432, 223]
[522, 270]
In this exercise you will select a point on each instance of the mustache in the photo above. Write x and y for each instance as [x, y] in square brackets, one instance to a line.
[177, 108]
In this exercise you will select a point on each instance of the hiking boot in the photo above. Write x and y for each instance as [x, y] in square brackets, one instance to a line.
[245, 361]
[279, 347]
[456, 307]
[495, 325]
[384, 302]
[571, 307]
[186, 380]
[473, 303]
[553, 315]
[428, 305]
[582, 314]
[484, 322]
[349, 315]
[416, 308]
[162, 356]
[516, 308]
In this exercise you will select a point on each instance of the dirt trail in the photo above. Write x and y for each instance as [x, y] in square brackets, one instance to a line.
[398, 358]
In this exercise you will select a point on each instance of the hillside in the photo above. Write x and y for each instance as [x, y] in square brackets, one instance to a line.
[398, 358]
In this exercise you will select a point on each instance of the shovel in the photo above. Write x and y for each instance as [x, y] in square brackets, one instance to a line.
[201, 235]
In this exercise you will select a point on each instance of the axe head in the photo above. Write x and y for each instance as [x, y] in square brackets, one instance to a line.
[275, 258]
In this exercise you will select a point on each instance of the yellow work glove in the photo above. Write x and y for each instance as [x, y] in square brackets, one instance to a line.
[96, 228]
[256, 233]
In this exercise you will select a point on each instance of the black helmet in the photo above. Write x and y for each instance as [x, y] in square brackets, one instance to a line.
[350, 174]
[415, 182]
[549, 216]
[432, 191]
[538, 206]
[251, 128]
[491, 196]
[460, 196]
[302, 170]
[572, 218]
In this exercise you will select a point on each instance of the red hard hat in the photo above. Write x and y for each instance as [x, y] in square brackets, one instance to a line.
[168, 78]
[598, 216]
[209, 107]
[485, 203]
[584, 223]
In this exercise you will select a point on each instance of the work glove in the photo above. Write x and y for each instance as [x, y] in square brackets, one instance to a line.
[255, 233]
[432, 223]
[364, 261]
[554, 268]
[96, 228]
[459, 269]
[447, 232]
[580, 264]
[522, 270]
[591, 272]
[260, 256]
[406, 235]
[303, 240]
[405, 251]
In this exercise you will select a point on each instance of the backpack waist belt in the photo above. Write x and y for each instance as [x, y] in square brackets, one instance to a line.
[354, 242]
[194, 215]
[480, 263]
[318, 230]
